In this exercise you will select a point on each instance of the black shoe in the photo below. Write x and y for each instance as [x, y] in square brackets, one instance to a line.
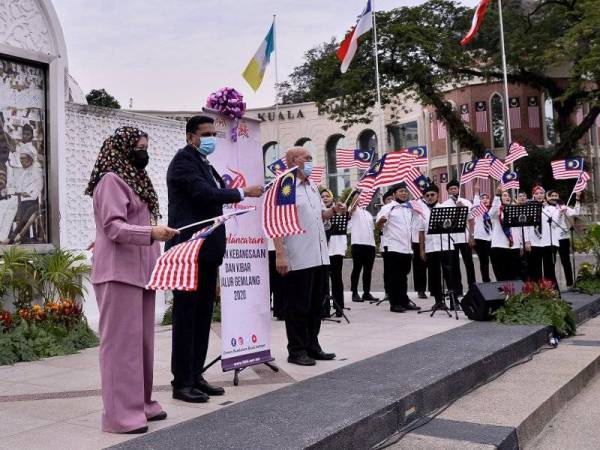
[190, 395]
[422, 295]
[397, 309]
[321, 356]
[412, 307]
[141, 430]
[160, 416]
[302, 360]
[370, 298]
[209, 389]
[356, 297]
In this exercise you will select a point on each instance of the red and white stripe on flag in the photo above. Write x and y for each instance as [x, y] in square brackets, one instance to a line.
[443, 195]
[441, 129]
[566, 169]
[476, 22]
[514, 112]
[478, 211]
[515, 151]
[396, 166]
[485, 187]
[582, 182]
[533, 112]
[317, 174]
[481, 120]
[280, 219]
[349, 45]
[365, 197]
[238, 181]
[497, 169]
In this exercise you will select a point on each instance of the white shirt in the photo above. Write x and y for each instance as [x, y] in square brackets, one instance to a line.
[479, 231]
[361, 226]
[433, 242]
[499, 239]
[544, 240]
[459, 238]
[398, 228]
[28, 180]
[337, 245]
[563, 232]
[310, 248]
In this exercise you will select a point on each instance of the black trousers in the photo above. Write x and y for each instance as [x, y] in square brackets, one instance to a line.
[363, 258]
[419, 269]
[482, 248]
[540, 263]
[192, 316]
[398, 265]
[467, 258]
[336, 263]
[386, 271]
[275, 287]
[305, 289]
[564, 250]
[439, 263]
[506, 263]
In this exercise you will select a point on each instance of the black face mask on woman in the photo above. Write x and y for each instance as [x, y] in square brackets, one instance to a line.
[140, 159]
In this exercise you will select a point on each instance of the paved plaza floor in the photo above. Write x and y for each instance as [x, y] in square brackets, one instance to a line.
[55, 403]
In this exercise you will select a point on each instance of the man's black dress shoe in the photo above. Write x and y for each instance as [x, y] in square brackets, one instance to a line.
[321, 356]
[209, 389]
[422, 295]
[302, 360]
[356, 297]
[160, 416]
[412, 307]
[397, 309]
[370, 298]
[190, 395]
[141, 430]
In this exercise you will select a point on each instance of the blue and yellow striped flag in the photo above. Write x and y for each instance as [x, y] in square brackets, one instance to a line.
[255, 70]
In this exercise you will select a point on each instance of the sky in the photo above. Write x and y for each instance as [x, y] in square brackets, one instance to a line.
[170, 55]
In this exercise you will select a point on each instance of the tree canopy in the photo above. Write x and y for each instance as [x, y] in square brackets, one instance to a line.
[420, 58]
[99, 97]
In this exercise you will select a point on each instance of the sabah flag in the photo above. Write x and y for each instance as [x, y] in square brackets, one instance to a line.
[477, 21]
[349, 45]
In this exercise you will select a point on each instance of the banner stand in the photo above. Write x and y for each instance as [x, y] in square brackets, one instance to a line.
[236, 372]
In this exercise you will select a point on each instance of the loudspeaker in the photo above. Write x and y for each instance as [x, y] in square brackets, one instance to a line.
[484, 298]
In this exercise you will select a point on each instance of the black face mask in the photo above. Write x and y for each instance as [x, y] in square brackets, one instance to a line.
[140, 159]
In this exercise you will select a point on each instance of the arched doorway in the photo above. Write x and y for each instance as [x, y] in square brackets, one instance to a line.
[269, 156]
[497, 118]
[337, 180]
[367, 140]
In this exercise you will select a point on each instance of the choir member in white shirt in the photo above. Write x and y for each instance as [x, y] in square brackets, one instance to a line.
[387, 198]
[398, 220]
[464, 241]
[362, 239]
[565, 223]
[483, 233]
[544, 241]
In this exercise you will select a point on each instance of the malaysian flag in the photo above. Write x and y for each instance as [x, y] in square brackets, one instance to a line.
[510, 180]
[464, 113]
[391, 168]
[514, 112]
[277, 167]
[443, 195]
[565, 169]
[416, 182]
[369, 179]
[358, 158]
[441, 129]
[421, 152]
[478, 211]
[177, 269]
[365, 197]
[497, 169]
[582, 182]
[317, 174]
[235, 182]
[488, 154]
[477, 168]
[481, 121]
[280, 212]
[515, 151]
[533, 112]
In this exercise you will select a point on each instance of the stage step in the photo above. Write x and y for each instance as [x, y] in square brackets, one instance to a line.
[359, 405]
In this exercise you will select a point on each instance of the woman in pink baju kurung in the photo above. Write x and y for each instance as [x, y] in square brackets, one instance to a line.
[125, 250]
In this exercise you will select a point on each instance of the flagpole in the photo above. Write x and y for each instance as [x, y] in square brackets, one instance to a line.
[235, 213]
[508, 136]
[573, 191]
[276, 88]
[382, 137]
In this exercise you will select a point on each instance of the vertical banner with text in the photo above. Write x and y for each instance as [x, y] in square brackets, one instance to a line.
[244, 275]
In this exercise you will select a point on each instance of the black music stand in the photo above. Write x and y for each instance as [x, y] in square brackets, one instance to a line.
[447, 220]
[527, 215]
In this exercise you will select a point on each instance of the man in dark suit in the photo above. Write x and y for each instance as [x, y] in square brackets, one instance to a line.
[197, 192]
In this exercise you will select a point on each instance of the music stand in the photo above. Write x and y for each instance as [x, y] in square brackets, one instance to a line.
[447, 220]
[527, 215]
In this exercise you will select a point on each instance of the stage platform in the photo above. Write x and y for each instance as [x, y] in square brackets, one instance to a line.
[360, 404]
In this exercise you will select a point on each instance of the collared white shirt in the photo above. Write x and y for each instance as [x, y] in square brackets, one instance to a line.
[337, 245]
[434, 242]
[360, 227]
[499, 238]
[398, 228]
[310, 248]
[459, 238]
[564, 212]
[27, 180]
[479, 231]
[545, 239]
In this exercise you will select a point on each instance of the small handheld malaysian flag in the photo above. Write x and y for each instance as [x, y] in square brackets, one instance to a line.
[565, 169]
[488, 154]
[280, 212]
[358, 158]
[477, 168]
[276, 167]
[317, 174]
[238, 181]
[478, 211]
[497, 169]
[582, 182]
[515, 151]
[510, 180]
[421, 152]
[365, 197]
[416, 183]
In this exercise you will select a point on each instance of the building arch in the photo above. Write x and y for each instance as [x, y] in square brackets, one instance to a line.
[270, 152]
[337, 179]
[367, 139]
[497, 120]
[303, 140]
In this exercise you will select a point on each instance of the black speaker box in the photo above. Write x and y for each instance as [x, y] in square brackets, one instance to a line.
[484, 298]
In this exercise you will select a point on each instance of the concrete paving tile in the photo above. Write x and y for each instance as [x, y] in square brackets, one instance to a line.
[18, 423]
[53, 410]
[26, 371]
[417, 442]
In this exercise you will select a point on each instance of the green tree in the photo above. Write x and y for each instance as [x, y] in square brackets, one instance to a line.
[99, 97]
[420, 57]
